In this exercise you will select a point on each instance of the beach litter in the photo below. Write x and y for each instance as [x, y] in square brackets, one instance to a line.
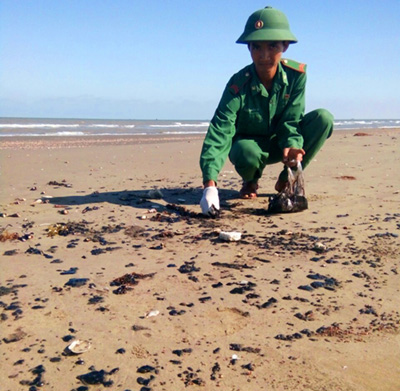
[97, 377]
[63, 183]
[76, 282]
[292, 198]
[130, 279]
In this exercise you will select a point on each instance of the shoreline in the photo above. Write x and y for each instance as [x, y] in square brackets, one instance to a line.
[57, 142]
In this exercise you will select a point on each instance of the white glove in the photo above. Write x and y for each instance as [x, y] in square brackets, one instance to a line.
[210, 201]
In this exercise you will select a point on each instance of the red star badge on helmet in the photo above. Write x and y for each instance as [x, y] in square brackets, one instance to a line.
[259, 24]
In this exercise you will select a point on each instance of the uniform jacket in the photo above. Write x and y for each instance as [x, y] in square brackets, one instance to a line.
[247, 110]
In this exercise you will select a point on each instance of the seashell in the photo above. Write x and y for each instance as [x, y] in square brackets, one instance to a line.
[230, 236]
[79, 346]
[152, 313]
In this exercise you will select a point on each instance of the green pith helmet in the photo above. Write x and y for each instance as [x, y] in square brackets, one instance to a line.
[267, 24]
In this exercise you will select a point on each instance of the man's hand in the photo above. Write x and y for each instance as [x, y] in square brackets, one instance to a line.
[210, 201]
[291, 156]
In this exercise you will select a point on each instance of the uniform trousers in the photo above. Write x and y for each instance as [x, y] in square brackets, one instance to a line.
[251, 155]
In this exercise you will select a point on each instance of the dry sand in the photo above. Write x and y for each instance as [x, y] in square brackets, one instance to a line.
[231, 316]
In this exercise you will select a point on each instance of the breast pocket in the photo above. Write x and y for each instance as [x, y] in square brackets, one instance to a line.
[282, 104]
[252, 122]
[253, 116]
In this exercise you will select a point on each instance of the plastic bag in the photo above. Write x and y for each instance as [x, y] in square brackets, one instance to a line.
[292, 198]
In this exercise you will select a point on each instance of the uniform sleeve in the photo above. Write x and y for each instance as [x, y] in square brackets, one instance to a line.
[218, 140]
[288, 135]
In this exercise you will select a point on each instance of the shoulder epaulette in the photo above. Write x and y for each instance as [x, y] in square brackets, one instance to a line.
[297, 66]
[241, 81]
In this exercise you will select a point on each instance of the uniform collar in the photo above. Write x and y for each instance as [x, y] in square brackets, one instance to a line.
[280, 80]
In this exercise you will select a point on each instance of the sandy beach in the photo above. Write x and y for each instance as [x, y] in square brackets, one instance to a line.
[102, 242]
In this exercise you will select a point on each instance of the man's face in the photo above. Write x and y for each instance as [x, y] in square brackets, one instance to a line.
[267, 54]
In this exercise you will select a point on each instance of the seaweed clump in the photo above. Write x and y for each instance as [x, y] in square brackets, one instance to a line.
[70, 228]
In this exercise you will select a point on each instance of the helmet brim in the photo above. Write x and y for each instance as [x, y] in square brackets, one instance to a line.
[267, 35]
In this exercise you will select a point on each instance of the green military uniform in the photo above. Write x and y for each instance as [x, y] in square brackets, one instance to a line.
[252, 125]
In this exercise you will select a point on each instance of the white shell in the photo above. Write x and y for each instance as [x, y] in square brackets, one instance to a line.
[78, 346]
[230, 236]
[152, 313]
[319, 246]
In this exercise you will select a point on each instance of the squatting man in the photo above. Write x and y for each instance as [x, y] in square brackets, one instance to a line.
[260, 118]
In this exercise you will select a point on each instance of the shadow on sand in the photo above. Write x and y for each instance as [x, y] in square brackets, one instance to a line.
[142, 198]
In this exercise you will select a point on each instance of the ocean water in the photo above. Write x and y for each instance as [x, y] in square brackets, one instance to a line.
[42, 127]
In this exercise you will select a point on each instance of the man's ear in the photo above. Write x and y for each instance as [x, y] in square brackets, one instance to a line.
[285, 46]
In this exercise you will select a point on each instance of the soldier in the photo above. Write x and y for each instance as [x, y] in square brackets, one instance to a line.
[260, 118]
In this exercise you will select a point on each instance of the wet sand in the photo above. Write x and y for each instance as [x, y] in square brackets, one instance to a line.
[305, 301]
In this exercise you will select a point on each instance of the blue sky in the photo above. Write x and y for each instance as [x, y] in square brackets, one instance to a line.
[171, 59]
